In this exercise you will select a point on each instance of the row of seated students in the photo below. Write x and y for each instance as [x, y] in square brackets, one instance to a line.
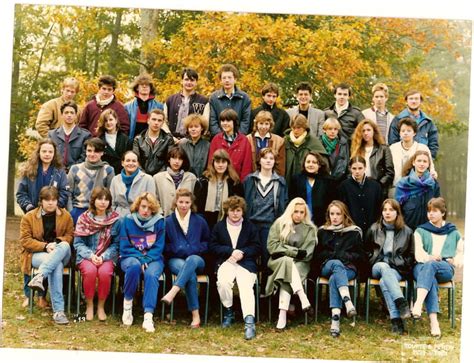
[143, 241]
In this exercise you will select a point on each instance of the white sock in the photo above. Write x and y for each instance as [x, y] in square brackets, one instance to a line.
[335, 319]
[344, 291]
[127, 304]
[148, 316]
[281, 319]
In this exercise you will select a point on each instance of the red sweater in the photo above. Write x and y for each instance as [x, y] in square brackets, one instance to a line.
[240, 153]
[91, 113]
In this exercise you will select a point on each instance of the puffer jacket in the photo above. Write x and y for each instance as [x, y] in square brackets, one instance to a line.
[402, 258]
[152, 157]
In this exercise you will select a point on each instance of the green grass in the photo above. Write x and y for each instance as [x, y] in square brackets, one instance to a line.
[371, 341]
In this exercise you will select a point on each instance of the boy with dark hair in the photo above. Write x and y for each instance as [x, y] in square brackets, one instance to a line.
[140, 106]
[270, 93]
[84, 177]
[104, 99]
[229, 96]
[184, 103]
[314, 115]
[348, 115]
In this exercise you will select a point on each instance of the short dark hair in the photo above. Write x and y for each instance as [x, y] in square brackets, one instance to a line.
[191, 73]
[158, 112]
[177, 152]
[229, 114]
[270, 87]
[408, 121]
[48, 193]
[437, 203]
[357, 159]
[98, 193]
[343, 86]
[128, 152]
[228, 68]
[68, 104]
[412, 92]
[323, 167]
[96, 143]
[304, 86]
[107, 80]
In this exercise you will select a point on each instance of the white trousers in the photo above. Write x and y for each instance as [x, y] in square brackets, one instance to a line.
[227, 274]
[295, 284]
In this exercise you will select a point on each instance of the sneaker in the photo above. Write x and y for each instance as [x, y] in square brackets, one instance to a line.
[36, 283]
[127, 317]
[60, 318]
[148, 325]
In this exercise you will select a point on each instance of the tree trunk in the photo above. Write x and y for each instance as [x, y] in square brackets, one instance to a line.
[149, 31]
[113, 50]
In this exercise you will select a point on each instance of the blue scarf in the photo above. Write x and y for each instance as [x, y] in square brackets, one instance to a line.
[413, 186]
[146, 224]
[444, 230]
[128, 180]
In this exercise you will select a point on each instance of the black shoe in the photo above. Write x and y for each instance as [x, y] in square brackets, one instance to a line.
[249, 332]
[228, 318]
[402, 306]
[398, 326]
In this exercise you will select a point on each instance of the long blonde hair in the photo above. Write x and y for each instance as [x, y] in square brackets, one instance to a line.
[286, 219]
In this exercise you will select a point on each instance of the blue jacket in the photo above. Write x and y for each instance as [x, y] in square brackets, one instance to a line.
[132, 109]
[280, 193]
[129, 231]
[240, 103]
[85, 246]
[248, 242]
[27, 194]
[427, 133]
[194, 242]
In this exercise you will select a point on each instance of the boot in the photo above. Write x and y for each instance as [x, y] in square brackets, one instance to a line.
[397, 326]
[249, 332]
[228, 318]
[402, 306]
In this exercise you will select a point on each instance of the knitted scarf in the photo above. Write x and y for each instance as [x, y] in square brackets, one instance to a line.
[87, 225]
[128, 180]
[99, 180]
[413, 186]
[341, 228]
[146, 224]
[443, 230]
[298, 141]
[105, 102]
[176, 176]
[329, 145]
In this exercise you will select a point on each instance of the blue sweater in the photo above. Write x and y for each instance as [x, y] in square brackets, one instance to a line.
[144, 245]
[194, 243]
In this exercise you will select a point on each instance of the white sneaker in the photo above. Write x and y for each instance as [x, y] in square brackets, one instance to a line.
[127, 317]
[148, 325]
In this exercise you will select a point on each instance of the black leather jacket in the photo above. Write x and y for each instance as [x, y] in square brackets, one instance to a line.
[381, 166]
[152, 157]
[402, 258]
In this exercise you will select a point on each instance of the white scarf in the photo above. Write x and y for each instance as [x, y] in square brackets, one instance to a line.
[184, 223]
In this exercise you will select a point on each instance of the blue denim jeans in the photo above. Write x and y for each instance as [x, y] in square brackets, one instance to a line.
[427, 276]
[338, 275]
[132, 268]
[51, 265]
[389, 284]
[186, 271]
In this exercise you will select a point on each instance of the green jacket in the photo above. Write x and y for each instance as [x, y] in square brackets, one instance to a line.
[295, 155]
[282, 266]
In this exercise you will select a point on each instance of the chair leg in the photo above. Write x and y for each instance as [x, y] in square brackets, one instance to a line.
[78, 292]
[367, 300]
[257, 300]
[164, 292]
[316, 300]
[30, 301]
[69, 291]
[356, 291]
[206, 309]
[113, 291]
[452, 305]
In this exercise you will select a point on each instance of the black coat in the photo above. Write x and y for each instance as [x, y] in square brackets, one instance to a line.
[114, 156]
[381, 166]
[402, 258]
[220, 245]
[152, 158]
[364, 202]
[343, 246]
[321, 195]
[349, 119]
[200, 193]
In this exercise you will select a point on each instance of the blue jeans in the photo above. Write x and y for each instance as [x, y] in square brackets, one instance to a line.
[132, 268]
[51, 265]
[427, 276]
[186, 279]
[389, 284]
[338, 275]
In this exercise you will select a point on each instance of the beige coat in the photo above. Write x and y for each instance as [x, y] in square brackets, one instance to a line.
[31, 234]
[49, 116]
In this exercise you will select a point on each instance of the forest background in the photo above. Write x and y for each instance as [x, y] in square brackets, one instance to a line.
[432, 55]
